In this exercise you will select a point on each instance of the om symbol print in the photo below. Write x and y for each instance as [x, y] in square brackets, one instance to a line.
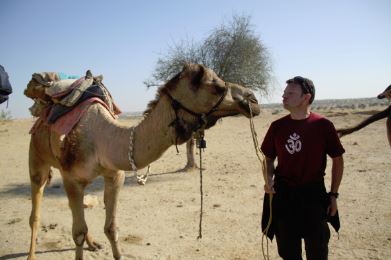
[293, 144]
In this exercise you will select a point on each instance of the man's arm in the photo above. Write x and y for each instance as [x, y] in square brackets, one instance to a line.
[268, 175]
[336, 178]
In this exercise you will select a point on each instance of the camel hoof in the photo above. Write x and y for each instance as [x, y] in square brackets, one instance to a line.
[31, 257]
[141, 180]
[94, 246]
[189, 168]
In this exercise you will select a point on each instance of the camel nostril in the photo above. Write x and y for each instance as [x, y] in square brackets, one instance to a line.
[251, 98]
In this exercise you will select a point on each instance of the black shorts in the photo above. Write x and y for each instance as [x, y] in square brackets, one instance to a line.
[301, 214]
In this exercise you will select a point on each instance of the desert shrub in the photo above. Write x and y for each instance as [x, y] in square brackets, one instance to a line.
[361, 106]
[276, 111]
[5, 115]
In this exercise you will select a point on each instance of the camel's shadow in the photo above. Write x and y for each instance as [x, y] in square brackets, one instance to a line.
[17, 255]
[56, 188]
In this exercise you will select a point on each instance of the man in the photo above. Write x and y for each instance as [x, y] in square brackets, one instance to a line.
[301, 206]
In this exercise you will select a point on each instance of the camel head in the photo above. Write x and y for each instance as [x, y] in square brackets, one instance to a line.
[199, 98]
[200, 90]
[386, 93]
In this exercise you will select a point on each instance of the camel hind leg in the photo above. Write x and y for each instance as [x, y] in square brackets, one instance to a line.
[113, 185]
[75, 192]
[40, 174]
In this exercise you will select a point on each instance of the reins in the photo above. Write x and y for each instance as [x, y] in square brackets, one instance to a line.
[201, 143]
[261, 158]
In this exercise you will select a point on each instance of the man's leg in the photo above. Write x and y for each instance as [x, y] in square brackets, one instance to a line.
[316, 233]
[288, 239]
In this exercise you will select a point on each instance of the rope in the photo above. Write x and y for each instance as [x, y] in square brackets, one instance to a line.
[261, 158]
[201, 195]
[130, 151]
[201, 145]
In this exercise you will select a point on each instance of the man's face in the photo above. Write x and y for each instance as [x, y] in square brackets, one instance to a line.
[293, 97]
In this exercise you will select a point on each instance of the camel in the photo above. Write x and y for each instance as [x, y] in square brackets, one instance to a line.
[101, 145]
[380, 115]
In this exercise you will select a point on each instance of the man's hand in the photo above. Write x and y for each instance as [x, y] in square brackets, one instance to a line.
[269, 187]
[332, 209]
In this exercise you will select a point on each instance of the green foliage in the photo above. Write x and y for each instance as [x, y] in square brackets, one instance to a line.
[5, 115]
[232, 50]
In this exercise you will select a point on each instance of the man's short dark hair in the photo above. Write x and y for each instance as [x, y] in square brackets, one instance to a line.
[307, 86]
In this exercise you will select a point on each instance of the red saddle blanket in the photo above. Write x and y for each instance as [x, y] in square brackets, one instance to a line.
[66, 123]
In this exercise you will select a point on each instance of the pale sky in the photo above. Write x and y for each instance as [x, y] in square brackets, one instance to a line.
[343, 46]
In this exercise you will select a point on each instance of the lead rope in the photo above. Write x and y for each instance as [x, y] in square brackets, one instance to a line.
[130, 152]
[201, 144]
[261, 158]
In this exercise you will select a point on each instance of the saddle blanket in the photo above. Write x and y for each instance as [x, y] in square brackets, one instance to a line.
[67, 122]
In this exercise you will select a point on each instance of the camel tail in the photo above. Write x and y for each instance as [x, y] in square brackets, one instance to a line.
[383, 114]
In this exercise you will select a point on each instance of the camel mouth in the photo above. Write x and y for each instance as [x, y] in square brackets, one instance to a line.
[246, 104]
[381, 96]
[244, 110]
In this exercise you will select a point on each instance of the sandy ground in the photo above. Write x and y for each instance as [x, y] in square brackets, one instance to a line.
[160, 220]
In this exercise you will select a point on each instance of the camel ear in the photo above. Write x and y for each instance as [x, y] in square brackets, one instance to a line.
[197, 75]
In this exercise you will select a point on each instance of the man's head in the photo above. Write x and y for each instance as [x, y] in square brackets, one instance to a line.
[299, 92]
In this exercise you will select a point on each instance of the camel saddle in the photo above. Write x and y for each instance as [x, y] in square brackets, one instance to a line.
[65, 94]
[69, 99]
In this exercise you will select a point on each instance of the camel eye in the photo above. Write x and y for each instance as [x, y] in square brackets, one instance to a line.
[219, 89]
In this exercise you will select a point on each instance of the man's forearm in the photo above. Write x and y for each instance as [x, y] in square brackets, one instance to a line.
[268, 175]
[336, 173]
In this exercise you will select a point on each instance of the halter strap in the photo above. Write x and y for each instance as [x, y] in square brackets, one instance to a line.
[176, 105]
[202, 118]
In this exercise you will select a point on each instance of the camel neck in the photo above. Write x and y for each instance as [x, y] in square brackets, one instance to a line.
[153, 136]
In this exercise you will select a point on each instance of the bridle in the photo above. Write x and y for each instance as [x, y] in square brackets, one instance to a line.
[202, 117]
[176, 123]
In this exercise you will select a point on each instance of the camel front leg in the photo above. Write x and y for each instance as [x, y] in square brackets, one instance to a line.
[113, 185]
[38, 179]
[190, 164]
[75, 192]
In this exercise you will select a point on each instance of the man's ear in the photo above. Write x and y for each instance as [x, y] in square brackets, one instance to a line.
[307, 97]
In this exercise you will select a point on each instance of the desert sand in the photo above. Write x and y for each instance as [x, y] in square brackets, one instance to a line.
[160, 220]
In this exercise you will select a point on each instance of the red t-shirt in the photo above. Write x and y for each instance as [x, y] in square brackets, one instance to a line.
[301, 147]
